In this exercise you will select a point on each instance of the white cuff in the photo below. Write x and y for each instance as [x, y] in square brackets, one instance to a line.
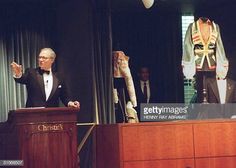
[17, 76]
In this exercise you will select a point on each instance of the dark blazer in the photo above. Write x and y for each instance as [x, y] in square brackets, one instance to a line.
[36, 97]
[140, 96]
[213, 93]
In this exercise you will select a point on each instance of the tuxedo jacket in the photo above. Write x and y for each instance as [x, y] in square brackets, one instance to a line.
[213, 92]
[36, 97]
[140, 96]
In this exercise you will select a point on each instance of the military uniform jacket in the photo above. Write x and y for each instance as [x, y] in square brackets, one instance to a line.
[196, 50]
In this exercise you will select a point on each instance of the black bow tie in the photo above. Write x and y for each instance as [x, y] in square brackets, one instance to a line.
[42, 71]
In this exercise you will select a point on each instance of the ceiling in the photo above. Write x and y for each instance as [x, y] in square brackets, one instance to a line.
[185, 6]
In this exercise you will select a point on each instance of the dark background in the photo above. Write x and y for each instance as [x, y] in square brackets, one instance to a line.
[148, 36]
[151, 37]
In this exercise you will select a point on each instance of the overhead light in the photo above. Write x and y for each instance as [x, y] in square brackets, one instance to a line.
[148, 3]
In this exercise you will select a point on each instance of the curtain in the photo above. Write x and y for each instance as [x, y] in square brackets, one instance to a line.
[153, 38]
[102, 63]
[22, 35]
[102, 75]
[22, 47]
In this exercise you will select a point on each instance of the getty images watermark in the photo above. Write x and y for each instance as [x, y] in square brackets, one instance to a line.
[165, 112]
[6, 163]
[158, 112]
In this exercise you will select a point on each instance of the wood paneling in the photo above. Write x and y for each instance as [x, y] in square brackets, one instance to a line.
[215, 139]
[42, 138]
[177, 163]
[144, 145]
[108, 153]
[182, 144]
[219, 162]
[157, 142]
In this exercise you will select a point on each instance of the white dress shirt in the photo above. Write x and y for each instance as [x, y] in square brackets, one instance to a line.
[148, 89]
[48, 82]
[222, 83]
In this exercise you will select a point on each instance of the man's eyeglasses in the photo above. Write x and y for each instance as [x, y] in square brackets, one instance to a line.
[44, 58]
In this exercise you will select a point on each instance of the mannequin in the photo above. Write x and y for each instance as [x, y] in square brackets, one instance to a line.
[204, 54]
[122, 80]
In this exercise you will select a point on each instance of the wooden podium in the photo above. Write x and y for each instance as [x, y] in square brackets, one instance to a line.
[41, 137]
[180, 144]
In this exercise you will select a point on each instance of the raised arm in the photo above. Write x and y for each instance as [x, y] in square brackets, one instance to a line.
[16, 69]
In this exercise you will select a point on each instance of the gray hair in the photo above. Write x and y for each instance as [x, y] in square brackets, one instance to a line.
[49, 51]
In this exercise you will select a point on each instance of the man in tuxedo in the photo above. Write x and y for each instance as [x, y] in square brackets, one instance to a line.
[221, 89]
[44, 87]
[145, 90]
